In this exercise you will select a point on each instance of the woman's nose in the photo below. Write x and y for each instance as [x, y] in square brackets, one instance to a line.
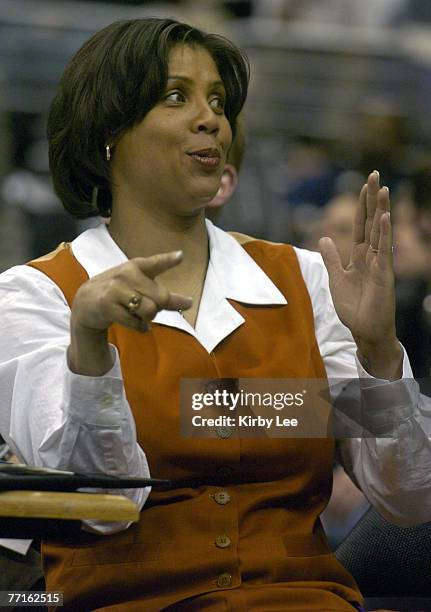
[206, 120]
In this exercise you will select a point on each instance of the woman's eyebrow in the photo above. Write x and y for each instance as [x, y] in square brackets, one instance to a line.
[178, 77]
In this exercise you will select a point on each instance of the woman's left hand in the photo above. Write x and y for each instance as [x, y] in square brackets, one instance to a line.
[364, 292]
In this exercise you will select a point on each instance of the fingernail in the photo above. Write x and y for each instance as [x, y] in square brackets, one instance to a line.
[386, 188]
[376, 172]
[177, 254]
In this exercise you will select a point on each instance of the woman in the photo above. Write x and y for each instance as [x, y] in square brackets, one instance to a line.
[140, 130]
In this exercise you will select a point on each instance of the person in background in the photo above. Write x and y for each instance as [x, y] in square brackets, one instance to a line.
[412, 264]
[28, 187]
[229, 178]
[336, 221]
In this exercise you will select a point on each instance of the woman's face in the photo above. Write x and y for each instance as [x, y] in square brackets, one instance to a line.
[175, 157]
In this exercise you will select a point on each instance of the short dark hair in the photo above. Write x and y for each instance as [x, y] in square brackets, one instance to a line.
[111, 83]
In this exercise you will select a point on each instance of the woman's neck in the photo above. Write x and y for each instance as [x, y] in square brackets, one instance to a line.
[144, 235]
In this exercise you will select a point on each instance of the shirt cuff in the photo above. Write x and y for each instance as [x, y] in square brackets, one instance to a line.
[96, 400]
[385, 403]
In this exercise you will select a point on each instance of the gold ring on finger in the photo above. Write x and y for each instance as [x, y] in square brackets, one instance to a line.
[134, 303]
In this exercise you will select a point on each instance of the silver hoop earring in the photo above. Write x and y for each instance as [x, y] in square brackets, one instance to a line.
[108, 152]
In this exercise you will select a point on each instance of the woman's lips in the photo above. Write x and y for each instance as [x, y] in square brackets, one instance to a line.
[209, 158]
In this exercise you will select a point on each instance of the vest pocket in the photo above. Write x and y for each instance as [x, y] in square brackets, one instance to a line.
[122, 547]
[115, 554]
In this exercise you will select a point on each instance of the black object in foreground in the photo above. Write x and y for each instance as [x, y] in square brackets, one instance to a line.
[389, 561]
[19, 477]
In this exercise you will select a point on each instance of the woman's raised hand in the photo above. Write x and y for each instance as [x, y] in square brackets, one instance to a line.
[129, 295]
[364, 292]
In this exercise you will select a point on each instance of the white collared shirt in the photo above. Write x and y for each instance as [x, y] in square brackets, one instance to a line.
[53, 417]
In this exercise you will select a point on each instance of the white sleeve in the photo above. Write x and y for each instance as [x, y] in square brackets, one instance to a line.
[48, 415]
[394, 470]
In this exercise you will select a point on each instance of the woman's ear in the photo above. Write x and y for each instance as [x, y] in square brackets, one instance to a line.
[228, 183]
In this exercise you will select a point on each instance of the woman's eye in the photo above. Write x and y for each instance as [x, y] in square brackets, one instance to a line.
[175, 96]
[218, 103]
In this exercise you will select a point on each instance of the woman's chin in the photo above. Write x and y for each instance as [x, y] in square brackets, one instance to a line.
[196, 200]
[201, 199]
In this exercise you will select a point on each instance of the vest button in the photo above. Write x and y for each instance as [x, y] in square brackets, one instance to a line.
[222, 497]
[223, 432]
[224, 580]
[222, 541]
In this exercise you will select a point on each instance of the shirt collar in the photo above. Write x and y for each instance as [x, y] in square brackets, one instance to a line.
[239, 276]
[231, 274]
[96, 251]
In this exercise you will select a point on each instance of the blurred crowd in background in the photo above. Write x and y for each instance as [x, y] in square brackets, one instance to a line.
[339, 88]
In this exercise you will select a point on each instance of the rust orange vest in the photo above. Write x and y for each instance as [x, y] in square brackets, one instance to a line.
[266, 495]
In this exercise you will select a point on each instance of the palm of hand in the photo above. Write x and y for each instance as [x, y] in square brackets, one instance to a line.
[363, 293]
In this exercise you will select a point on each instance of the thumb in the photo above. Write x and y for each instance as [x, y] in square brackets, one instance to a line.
[331, 259]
